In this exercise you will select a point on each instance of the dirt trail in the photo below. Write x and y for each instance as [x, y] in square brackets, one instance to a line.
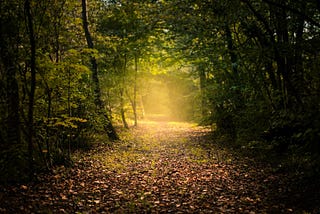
[159, 167]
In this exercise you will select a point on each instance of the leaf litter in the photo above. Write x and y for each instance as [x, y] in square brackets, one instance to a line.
[157, 168]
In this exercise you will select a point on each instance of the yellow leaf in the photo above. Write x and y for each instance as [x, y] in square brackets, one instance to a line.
[23, 187]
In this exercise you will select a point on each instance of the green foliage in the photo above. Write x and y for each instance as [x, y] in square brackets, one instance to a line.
[248, 67]
[256, 62]
[63, 107]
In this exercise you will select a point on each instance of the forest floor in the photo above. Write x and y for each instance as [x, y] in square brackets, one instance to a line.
[159, 167]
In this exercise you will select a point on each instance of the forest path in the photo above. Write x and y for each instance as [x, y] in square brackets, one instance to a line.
[159, 167]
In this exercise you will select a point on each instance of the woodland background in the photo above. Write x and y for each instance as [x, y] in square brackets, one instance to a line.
[72, 70]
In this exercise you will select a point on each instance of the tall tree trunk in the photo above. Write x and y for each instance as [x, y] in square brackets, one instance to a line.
[122, 85]
[48, 155]
[233, 55]
[134, 104]
[203, 80]
[12, 146]
[95, 79]
[12, 163]
[32, 85]
[235, 72]
[142, 108]
[122, 111]
[298, 71]
[234, 63]
[285, 59]
[13, 134]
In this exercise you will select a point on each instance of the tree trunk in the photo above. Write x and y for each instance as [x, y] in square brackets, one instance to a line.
[13, 107]
[238, 99]
[122, 85]
[32, 86]
[12, 165]
[285, 59]
[142, 108]
[202, 76]
[134, 103]
[233, 55]
[48, 155]
[12, 145]
[122, 111]
[95, 79]
[298, 71]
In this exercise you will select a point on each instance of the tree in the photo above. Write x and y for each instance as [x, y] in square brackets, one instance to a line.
[32, 41]
[254, 54]
[95, 79]
[128, 25]
[12, 165]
